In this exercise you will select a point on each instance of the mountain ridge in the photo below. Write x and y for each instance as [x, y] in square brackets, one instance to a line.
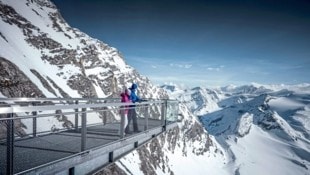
[256, 125]
[42, 56]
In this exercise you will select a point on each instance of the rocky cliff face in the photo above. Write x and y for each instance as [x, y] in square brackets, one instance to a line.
[84, 65]
[14, 83]
[42, 56]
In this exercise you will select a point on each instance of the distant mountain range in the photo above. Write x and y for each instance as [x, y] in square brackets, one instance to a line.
[244, 130]
[262, 129]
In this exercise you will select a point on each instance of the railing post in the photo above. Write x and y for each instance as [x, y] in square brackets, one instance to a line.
[10, 145]
[121, 129]
[76, 123]
[83, 130]
[176, 112]
[34, 122]
[111, 157]
[104, 117]
[164, 115]
[71, 171]
[146, 120]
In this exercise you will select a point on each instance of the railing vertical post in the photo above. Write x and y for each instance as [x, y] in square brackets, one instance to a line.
[71, 171]
[121, 129]
[83, 130]
[104, 117]
[10, 145]
[34, 122]
[146, 120]
[76, 123]
[163, 115]
[111, 157]
[176, 112]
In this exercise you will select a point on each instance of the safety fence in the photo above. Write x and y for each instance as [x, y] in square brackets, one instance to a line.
[37, 131]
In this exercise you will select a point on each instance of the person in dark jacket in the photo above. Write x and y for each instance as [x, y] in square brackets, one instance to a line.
[132, 115]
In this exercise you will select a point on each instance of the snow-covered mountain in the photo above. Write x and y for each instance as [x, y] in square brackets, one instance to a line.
[252, 129]
[199, 100]
[42, 56]
[48, 58]
[263, 129]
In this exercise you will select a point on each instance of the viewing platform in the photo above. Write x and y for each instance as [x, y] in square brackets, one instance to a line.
[74, 136]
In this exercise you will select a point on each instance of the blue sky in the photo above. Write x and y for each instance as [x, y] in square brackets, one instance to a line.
[201, 42]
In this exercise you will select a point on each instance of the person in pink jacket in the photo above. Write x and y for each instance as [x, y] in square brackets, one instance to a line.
[124, 111]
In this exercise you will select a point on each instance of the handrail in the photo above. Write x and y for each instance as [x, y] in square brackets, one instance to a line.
[18, 109]
[24, 99]
[51, 99]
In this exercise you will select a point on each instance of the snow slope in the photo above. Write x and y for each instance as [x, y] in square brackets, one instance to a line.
[199, 100]
[187, 150]
[262, 129]
[42, 56]
[266, 133]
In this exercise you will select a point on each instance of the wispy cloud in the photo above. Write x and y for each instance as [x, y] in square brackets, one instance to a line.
[185, 66]
[291, 67]
[149, 60]
[218, 68]
[143, 59]
[213, 69]
[154, 67]
[192, 80]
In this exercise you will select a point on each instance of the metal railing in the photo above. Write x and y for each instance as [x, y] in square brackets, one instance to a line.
[27, 118]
